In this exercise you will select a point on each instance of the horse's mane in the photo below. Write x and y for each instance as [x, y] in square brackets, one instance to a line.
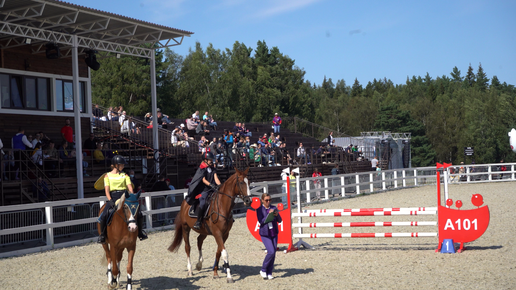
[121, 202]
[229, 180]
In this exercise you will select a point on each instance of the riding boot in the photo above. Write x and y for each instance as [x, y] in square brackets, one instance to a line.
[198, 223]
[141, 233]
[102, 236]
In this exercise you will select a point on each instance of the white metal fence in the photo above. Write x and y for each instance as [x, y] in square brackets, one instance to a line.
[43, 226]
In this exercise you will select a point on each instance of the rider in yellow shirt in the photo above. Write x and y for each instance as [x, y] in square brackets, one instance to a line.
[116, 183]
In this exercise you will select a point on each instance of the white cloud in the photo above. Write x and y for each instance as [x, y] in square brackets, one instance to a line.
[285, 6]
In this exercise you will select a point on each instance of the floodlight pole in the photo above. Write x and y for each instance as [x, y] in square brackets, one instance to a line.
[77, 116]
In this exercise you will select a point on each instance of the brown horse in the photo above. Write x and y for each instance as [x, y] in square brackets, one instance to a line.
[218, 223]
[121, 234]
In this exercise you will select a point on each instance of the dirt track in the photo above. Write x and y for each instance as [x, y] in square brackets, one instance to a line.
[398, 263]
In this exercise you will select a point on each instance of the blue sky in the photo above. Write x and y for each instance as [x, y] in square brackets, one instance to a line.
[348, 39]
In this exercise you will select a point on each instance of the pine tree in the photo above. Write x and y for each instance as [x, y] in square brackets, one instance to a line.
[482, 82]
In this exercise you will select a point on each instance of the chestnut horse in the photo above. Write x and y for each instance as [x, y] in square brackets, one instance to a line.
[121, 234]
[218, 222]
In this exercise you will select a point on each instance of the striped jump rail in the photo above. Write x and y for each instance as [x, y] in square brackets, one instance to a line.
[364, 213]
[366, 235]
[372, 209]
[363, 224]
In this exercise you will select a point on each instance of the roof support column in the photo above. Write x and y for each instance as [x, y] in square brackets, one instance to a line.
[77, 117]
[154, 102]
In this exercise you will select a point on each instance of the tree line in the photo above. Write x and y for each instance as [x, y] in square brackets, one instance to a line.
[444, 114]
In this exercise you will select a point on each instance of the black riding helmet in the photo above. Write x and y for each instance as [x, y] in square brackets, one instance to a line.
[208, 156]
[117, 159]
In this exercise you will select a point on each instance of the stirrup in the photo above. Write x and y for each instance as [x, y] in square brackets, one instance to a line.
[197, 225]
[101, 240]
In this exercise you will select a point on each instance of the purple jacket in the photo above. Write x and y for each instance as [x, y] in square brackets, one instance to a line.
[262, 213]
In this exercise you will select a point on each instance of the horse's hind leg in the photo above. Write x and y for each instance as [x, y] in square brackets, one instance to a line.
[186, 238]
[200, 240]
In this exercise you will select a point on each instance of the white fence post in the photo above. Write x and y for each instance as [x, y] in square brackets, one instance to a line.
[489, 173]
[326, 194]
[415, 177]
[395, 179]
[512, 172]
[50, 220]
[383, 181]
[343, 184]
[357, 181]
[298, 192]
[307, 192]
[371, 184]
[148, 203]
[404, 175]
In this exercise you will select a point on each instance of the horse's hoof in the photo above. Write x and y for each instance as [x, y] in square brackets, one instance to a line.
[230, 280]
[198, 267]
[190, 275]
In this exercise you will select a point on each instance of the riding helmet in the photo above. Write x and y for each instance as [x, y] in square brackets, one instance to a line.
[117, 159]
[208, 155]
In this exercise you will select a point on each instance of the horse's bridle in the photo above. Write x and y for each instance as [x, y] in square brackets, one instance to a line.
[125, 216]
[218, 192]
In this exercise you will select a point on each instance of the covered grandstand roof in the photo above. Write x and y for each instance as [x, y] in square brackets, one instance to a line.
[44, 21]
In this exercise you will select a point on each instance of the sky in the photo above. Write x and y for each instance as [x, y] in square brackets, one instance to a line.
[348, 40]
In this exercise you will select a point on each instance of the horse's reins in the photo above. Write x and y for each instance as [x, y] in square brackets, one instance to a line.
[218, 192]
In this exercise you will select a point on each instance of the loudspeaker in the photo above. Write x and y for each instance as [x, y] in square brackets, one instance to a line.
[52, 51]
[91, 60]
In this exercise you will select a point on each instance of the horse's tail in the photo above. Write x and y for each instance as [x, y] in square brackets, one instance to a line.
[178, 235]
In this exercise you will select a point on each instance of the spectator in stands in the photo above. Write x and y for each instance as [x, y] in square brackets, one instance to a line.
[219, 154]
[195, 117]
[202, 144]
[201, 129]
[65, 156]
[122, 117]
[133, 128]
[90, 144]
[255, 154]
[67, 132]
[302, 154]
[163, 121]
[36, 140]
[120, 110]
[19, 142]
[174, 136]
[148, 117]
[374, 162]
[37, 155]
[108, 153]
[330, 139]
[228, 138]
[113, 114]
[317, 182]
[98, 155]
[209, 120]
[160, 185]
[51, 162]
[191, 125]
[335, 170]
[170, 186]
[30, 139]
[44, 139]
[276, 122]
[285, 154]
[136, 183]
[246, 131]
[97, 112]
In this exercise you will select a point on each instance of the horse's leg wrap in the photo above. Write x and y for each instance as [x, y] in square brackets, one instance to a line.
[129, 282]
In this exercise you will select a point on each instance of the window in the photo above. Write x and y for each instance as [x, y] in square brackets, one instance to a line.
[64, 95]
[24, 92]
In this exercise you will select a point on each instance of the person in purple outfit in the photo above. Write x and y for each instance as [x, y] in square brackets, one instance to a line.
[269, 234]
[276, 121]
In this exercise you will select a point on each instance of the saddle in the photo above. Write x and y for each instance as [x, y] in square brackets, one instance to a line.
[193, 212]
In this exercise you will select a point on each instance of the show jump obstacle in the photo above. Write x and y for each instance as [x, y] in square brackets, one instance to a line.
[461, 226]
